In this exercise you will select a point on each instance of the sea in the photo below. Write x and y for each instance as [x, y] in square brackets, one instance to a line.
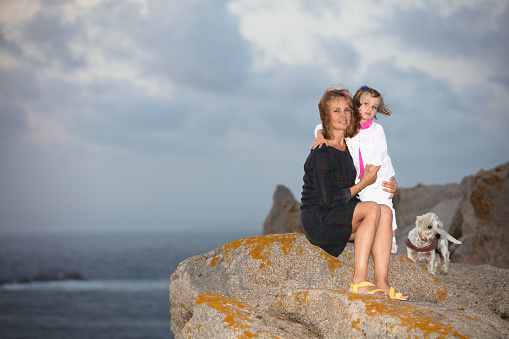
[102, 285]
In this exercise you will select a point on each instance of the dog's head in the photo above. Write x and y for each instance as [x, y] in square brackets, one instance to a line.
[428, 227]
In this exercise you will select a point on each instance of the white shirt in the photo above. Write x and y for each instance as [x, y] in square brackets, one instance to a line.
[371, 141]
[373, 146]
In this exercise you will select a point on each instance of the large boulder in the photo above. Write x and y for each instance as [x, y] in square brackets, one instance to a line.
[485, 219]
[474, 211]
[281, 286]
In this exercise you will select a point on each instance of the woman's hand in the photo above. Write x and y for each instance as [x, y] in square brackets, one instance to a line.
[369, 175]
[390, 186]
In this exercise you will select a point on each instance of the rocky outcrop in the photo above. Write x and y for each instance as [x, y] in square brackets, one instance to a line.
[281, 286]
[485, 213]
[474, 211]
[284, 216]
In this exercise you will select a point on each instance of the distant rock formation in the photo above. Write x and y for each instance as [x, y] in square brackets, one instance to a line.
[281, 286]
[49, 275]
[284, 217]
[475, 211]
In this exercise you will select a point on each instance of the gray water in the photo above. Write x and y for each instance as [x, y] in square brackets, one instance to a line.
[125, 294]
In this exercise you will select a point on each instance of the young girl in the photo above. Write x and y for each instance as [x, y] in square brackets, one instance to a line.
[369, 146]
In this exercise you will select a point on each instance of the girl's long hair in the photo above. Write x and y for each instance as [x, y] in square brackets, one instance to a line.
[382, 108]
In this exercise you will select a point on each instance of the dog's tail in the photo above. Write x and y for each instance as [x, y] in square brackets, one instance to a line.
[452, 239]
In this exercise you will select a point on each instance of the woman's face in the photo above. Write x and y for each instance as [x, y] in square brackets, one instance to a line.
[340, 113]
[368, 107]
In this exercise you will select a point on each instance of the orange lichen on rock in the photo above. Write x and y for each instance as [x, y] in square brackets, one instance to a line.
[496, 297]
[214, 261]
[259, 248]
[278, 304]
[441, 296]
[411, 317]
[482, 197]
[248, 335]
[481, 203]
[404, 260]
[494, 180]
[237, 314]
[355, 324]
[300, 297]
[332, 261]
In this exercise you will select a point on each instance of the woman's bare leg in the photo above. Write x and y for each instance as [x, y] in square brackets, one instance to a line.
[382, 248]
[366, 218]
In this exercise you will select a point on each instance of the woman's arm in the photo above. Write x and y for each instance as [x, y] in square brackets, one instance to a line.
[330, 192]
[368, 177]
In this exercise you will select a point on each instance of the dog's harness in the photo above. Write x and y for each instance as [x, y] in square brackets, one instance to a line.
[429, 248]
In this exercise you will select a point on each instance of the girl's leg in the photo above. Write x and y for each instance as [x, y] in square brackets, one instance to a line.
[394, 247]
[365, 221]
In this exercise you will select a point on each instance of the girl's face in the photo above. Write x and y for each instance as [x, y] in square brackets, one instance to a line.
[341, 113]
[368, 107]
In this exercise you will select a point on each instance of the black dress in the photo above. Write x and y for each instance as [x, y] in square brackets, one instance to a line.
[327, 205]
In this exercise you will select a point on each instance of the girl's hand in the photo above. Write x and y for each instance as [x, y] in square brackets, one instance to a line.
[391, 186]
[320, 140]
[369, 175]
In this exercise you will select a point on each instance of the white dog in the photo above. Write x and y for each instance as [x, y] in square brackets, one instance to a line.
[428, 242]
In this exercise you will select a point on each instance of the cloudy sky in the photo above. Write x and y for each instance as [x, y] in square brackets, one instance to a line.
[177, 115]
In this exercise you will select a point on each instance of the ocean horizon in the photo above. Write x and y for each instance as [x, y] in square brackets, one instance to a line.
[122, 285]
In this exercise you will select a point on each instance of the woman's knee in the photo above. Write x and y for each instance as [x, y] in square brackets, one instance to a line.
[373, 208]
[386, 215]
[385, 211]
[367, 210]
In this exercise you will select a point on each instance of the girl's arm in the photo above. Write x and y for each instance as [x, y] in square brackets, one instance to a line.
[320, 139]
[390, 186]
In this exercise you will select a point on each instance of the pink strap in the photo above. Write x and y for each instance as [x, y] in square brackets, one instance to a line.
[365, 125]
[361, 164]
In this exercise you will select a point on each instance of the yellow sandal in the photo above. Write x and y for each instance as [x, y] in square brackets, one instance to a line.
[396, 295]
[355, 288]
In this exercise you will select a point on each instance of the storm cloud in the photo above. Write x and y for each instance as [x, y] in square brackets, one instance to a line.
[168, 115]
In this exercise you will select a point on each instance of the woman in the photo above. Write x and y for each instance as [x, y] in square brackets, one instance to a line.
[331, 212]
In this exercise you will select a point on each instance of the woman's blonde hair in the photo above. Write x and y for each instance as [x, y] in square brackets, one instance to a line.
[323, 107]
